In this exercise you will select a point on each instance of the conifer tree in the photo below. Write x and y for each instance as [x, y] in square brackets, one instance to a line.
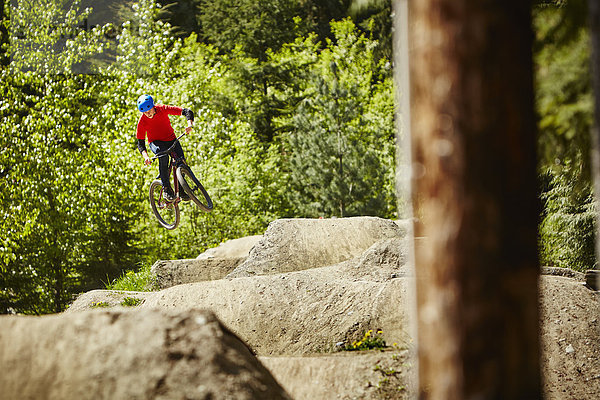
[333, 171]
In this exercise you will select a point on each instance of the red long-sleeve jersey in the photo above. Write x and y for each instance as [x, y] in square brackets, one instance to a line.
[158, 127]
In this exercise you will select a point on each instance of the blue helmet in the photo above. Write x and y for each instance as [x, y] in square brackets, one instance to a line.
[145, 102]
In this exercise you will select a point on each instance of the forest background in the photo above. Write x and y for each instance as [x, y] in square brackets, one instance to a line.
[294, 104]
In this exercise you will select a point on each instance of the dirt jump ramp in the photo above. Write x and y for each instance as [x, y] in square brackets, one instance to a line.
[215, 263]
[298, 244]
[299, 312]
[146, 354]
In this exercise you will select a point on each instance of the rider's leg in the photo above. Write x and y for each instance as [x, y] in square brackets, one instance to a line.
[179, 159]
[163, 164]
[178, 155]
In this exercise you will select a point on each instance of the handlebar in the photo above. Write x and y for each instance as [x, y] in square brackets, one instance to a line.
[166, 152]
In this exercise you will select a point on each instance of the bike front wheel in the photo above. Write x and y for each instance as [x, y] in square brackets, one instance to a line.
[166, 212]
[194, 188]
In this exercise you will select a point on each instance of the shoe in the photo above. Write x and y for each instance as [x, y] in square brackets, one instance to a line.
[168, 194]
[184, 196]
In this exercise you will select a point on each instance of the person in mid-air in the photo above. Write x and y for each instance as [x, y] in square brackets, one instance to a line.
[156, 125]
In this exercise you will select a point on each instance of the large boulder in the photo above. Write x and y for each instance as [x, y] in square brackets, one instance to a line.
[299, 244]
[365, 375]
[147, 354]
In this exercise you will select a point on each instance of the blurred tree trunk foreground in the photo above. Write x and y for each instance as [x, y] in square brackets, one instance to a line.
[594, 10]
[474, 198]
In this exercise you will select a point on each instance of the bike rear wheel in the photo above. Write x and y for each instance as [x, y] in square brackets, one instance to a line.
[166, 212]
[194, 188]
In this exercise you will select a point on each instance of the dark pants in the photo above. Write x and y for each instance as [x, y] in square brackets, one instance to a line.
[158, 146]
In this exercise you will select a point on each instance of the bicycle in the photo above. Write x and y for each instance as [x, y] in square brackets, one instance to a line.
[167, 212]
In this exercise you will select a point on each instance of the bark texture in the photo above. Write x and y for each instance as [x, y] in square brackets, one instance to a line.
[475, 199]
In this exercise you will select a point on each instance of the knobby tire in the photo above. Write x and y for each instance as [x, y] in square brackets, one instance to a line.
[194, 188]
[166, 213]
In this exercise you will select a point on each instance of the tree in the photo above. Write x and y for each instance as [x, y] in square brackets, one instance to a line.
[475, 199]
[59, 235]
[339, 158]
[255, 27]
[182, 16]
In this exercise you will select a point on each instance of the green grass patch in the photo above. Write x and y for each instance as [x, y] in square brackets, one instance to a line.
[135, 281]
[131, 302]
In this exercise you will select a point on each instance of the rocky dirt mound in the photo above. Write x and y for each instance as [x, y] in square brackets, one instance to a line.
[213, 264]
[300, 312]
[297, 244]
[570, 339]
[296, 307]
[355, 375]
[147, 354]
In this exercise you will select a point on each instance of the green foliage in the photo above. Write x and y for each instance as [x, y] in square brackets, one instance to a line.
[4, 38]
[563, 95]
[375, 17]
[254, 26]
[44, 37]
[564, 104]
[182, 15]
[567, 231]
[73, 192]
[55, 193]
[131, 302]
[341, 138]
[141, 281]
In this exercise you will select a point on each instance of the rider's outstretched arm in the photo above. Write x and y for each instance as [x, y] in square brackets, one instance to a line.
[141, 144]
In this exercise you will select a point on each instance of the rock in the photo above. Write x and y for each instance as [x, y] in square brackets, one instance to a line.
[102, 299]
[359, 375]
[146, 354]
[569, 349]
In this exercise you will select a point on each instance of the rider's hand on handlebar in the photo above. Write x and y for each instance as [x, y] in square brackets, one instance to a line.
[188, 129]
[147, 160]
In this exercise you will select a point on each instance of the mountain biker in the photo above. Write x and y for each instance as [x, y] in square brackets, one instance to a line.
[154, 123]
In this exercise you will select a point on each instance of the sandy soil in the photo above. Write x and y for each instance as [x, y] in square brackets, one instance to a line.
[297, 315]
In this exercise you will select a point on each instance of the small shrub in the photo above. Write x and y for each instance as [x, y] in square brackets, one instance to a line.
[100, 304]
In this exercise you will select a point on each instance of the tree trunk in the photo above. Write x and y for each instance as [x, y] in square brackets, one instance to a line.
[594, 9]
[475, 199]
